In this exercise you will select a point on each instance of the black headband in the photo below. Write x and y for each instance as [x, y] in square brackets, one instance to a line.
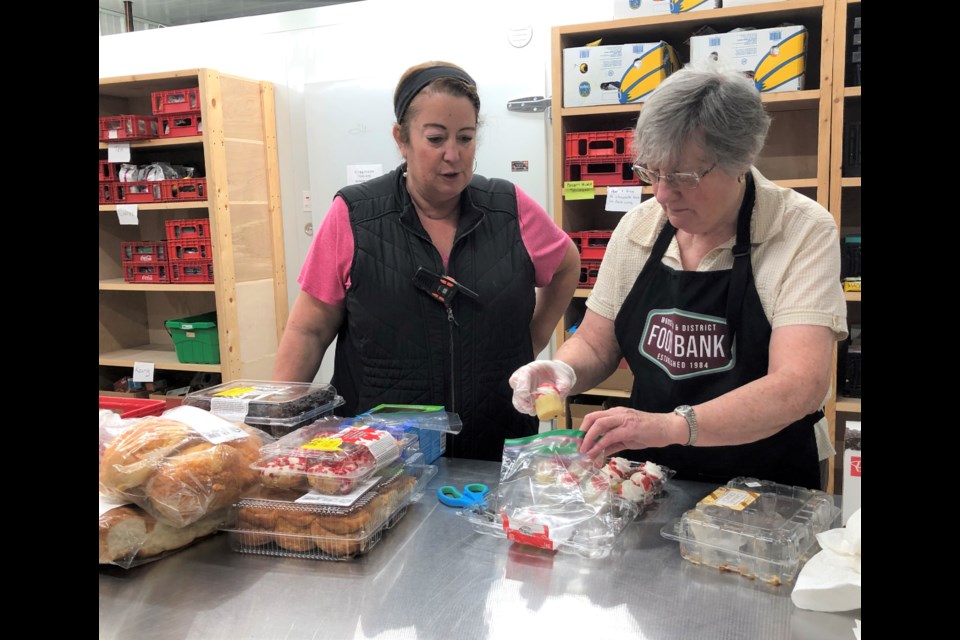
[417, 80]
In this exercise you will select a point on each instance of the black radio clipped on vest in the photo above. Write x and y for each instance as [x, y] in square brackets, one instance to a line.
[442, 288]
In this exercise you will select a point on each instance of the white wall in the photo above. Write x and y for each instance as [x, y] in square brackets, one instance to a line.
[298, 48]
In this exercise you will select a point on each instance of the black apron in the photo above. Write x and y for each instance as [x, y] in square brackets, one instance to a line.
[692, 336]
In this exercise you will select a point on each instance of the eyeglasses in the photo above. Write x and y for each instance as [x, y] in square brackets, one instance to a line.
[674, 180]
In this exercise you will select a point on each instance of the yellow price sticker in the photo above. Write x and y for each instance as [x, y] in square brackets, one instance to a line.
[736, 499]
[324, 444]
[578, 190]
[235, 392]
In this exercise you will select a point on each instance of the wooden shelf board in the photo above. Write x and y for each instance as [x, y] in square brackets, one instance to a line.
[143, 84]
[162, 357]
[851, 92]
[582, 293]
[158, 142]
[792, 100]
[783, 101]
[850, 182]
[848, 405]
[771, 9]
[800, 183]
[159, 206]
[118, 284]
[852, 296]
[612, 393]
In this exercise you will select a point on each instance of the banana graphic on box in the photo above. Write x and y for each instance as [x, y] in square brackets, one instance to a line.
[646, 73]
[682, 6]
[784, 61]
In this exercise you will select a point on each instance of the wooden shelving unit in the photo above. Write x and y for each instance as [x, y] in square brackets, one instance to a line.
[802, 149]
[844, 190]
[239, 157]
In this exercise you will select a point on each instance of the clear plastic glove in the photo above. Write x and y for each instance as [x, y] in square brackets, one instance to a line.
[527, 378]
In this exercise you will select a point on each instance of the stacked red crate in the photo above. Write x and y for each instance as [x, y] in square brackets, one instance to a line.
[129, 127]
[190, 250]
[145, 261]
[601, 156]
[178, 112]
[592, 246]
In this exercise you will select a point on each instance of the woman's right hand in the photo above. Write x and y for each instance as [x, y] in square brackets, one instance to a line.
[620, 428]
[527, 378]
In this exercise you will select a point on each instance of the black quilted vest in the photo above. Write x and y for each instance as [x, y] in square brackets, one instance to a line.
[399, 345]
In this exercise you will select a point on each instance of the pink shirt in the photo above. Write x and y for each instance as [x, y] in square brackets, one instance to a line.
[326, 271]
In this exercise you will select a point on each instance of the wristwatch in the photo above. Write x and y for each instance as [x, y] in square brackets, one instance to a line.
[686, 411]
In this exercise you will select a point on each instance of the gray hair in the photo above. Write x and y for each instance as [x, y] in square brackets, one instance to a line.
[704, 104]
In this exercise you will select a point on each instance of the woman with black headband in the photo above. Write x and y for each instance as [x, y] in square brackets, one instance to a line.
[436, 282]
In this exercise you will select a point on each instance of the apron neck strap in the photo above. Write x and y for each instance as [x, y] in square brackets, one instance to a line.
[742, 271]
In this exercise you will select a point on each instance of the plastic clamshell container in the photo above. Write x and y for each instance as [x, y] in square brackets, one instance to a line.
[593, 538]
[275, 407]
[428, 424]
[757, 528]
[331, 456]
[285, 523]
[428, 429]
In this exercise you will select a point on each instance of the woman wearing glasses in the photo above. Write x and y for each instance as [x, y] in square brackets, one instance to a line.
[723, 294]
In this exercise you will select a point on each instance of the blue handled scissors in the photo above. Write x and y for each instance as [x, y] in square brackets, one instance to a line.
[474, 493]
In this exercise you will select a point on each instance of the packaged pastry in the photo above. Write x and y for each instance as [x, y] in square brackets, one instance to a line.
[275, 407]
[182, 465]
[129, 536]
[423, 431]
[284, 522]
[757, 528]
[329, 460]
[553, 497]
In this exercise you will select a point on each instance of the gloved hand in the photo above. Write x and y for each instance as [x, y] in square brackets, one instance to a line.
[527, 378]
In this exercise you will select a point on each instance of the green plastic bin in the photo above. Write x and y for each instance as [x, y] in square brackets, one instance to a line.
[196, 338]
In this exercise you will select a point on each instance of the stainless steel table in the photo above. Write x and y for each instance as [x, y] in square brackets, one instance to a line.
[432, 577]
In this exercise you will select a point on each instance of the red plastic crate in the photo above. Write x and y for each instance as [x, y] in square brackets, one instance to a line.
[617, 173]
[156, 272]
[175, 101]
[152, 252]
[133, 407]
[191, 271]
[593, 144]
[196, 228]
[130, 127]
[591, 244]
[108, 192]
[190, 250]
[588, 273]
[108, 171]
[140, 192]
[185, 189]
[185, 124]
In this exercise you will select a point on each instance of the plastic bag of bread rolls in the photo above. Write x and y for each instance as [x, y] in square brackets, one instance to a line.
[129, 536]
[181, 465]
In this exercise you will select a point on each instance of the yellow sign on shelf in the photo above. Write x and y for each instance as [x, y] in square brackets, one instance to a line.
[578, 190]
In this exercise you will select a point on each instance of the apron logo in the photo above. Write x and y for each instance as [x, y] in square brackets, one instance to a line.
[686, 344]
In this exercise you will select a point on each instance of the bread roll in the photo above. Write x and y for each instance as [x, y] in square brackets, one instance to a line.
[174, 473]
[198, 480]
[135, 454]
[122, 533]
[130, 536]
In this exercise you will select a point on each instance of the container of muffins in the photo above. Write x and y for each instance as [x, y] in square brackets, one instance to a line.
[291, 523]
